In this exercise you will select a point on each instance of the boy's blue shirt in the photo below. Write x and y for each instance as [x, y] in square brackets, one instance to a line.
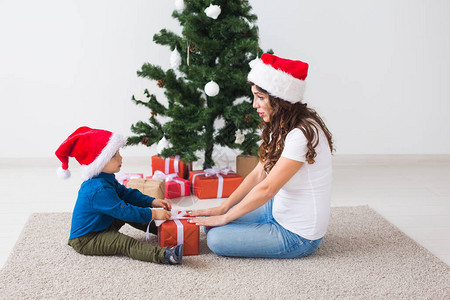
[101, 200]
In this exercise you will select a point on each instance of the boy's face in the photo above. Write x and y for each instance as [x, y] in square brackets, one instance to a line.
[114, 165]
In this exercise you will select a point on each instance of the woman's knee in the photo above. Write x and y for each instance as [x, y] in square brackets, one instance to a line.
[216, 240]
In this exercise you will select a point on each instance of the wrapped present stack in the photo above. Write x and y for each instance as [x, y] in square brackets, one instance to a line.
[174, 172]
[178, 231]
[171, 165]
[174, 185]
[214, 183]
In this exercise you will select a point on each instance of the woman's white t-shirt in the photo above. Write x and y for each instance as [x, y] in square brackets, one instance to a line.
[302, 205]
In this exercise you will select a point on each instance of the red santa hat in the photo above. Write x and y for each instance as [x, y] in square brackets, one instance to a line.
[92, 148]
[280, 77]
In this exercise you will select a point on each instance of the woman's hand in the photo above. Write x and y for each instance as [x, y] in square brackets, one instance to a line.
[214, 211]
[210, 221]
[162, 204]
[160, 214]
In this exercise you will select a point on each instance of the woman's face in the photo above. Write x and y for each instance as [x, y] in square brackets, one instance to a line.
[262, 104]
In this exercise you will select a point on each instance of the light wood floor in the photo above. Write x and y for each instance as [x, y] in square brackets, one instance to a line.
[412, 192]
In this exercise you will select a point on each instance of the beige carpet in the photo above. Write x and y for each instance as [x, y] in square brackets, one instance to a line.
[363, 257]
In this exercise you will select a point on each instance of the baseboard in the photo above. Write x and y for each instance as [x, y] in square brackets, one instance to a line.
[338, 159]
[391, 159]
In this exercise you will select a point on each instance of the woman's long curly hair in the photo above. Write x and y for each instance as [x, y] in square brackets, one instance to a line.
[286, 116]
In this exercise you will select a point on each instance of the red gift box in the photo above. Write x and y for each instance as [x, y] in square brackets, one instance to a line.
[168, 235]
[213, 183]
[192, 173]
[174, 186]
[171, 165]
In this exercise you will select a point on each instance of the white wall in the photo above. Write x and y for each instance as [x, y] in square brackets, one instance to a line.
[379, 70]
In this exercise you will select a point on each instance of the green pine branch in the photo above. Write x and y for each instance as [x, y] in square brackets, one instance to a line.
[217, 50]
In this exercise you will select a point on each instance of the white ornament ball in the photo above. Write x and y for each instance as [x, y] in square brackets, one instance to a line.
[179, 5]
[213, 11]
[140, 95]
[212, 89]
[175, 59]
[163, 144]
[240, 138]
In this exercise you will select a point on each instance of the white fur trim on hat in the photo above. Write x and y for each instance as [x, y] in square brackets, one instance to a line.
[93, 169]
[276, 82]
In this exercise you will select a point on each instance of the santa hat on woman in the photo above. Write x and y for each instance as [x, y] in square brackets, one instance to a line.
[92, 148]
[280, 77]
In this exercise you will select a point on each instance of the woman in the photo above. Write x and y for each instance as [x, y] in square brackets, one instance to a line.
[281, 209]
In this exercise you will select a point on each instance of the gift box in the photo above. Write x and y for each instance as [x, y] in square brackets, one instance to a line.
[179, 231]
[151, 187]
[171, 165]
[174, 186]
[191, 175]
[245, 164]
[124, 178]
[214, 183]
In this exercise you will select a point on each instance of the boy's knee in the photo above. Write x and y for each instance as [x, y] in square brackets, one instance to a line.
[78, 247]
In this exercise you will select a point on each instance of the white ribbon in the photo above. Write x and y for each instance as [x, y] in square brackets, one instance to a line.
[180, 232]
[176, 216]
[214, 172]
[181, 183]
[160, 175]
[167, 165]
[176, 162]
[120, 177]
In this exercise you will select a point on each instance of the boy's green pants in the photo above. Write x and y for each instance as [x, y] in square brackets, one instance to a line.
[112, 242]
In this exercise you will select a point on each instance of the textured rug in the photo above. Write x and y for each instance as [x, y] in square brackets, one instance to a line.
[362, 256]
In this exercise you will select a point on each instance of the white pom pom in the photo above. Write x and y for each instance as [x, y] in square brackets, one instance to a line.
[175, 59]
[213, 11]
[179, 5]
[212, 89]
[62, 174]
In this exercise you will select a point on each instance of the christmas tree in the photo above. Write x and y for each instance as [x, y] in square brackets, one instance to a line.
[207, 82]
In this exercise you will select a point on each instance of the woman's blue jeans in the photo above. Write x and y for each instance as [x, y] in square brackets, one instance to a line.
[257, 234]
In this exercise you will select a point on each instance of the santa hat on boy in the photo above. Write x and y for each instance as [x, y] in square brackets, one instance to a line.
[92, 148]
[280, 77]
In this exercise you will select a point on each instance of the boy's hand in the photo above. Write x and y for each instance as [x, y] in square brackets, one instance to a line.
[162, 204]
[160, 214]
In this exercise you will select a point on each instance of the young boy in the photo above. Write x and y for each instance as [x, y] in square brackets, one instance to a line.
[103, 205]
